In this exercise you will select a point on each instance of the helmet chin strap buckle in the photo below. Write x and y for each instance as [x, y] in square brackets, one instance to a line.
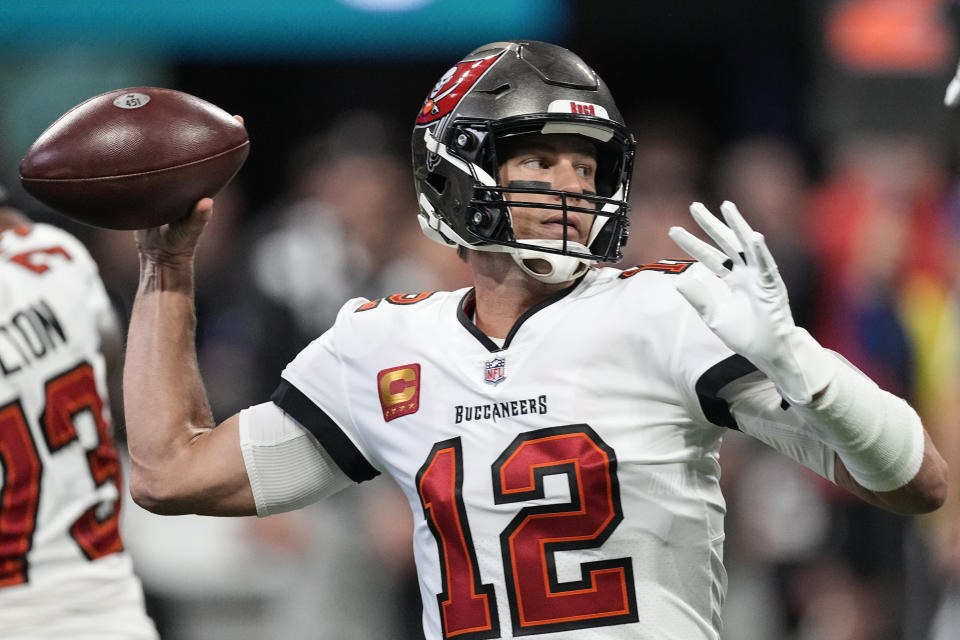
[559, 268]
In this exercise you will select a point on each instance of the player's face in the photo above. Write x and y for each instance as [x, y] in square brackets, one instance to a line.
[556, 161]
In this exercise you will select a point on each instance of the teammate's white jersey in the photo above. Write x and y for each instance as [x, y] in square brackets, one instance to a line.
[566, 484]
[63, 571]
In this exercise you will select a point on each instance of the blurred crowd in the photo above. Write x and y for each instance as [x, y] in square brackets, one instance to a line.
[867, 244]
[868, 247]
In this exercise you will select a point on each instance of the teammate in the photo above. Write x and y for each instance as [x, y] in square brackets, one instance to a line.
[556, 426]
[63, 569]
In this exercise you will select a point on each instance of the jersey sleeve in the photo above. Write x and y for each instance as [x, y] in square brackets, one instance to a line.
[286, 466]
[760, 412]
[85, 271]
[97, 300]
[314, 392]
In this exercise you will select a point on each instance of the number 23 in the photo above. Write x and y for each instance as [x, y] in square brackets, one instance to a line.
[66, 395]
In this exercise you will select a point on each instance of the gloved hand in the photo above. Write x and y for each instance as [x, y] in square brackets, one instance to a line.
[744, 302]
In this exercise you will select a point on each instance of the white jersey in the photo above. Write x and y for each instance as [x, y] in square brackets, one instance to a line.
[565, 484]
[63, 571]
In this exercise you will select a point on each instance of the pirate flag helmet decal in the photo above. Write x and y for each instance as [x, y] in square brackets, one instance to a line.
[454, 84]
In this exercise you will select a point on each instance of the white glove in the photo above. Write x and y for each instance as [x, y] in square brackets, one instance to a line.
[746, 305]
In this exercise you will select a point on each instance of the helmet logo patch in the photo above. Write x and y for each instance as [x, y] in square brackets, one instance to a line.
[580, 108]
[585, 109]
[452, 87]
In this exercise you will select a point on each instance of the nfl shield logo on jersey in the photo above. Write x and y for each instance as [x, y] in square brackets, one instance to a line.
[493, 370]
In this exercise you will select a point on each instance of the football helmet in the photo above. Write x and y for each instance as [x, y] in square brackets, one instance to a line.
[507, 89]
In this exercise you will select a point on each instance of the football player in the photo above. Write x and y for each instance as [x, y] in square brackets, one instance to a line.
[556, 426]
[63, 569]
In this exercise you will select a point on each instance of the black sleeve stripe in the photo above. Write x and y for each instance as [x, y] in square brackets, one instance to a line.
[330, 436]
[713, 380]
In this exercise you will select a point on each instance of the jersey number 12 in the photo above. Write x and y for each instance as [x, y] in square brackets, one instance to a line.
[539, 601]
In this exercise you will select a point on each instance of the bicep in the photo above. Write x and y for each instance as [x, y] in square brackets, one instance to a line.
[228, 491]
[207, 477]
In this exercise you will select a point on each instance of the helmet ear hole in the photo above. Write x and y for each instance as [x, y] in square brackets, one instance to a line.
[438, 182]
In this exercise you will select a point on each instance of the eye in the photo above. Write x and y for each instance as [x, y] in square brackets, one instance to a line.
[536, 163]
[586, 170]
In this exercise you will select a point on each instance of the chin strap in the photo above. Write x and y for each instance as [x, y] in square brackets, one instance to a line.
[561, 268]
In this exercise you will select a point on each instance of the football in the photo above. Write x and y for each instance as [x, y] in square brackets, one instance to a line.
[134, 158]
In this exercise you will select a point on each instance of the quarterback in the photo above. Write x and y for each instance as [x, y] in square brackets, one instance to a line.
[556, 426]
[63, 569]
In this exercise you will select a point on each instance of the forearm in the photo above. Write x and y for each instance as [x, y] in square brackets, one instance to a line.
[164, 399]
[923, 493]
[884, 455]
[814, 436]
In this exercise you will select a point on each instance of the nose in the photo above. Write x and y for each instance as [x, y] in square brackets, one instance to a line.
[566, 177]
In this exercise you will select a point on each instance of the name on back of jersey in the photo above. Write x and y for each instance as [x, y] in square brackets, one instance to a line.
[28, 335]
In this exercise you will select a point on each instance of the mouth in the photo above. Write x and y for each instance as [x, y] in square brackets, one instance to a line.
[571, 228]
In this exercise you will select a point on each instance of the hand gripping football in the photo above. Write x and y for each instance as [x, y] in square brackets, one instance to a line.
[134, 158]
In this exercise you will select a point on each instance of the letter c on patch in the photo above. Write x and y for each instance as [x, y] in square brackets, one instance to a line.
[399, 389]
[407, 386]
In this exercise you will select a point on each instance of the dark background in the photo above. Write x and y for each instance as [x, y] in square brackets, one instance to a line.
[732, 68]
[719, 70]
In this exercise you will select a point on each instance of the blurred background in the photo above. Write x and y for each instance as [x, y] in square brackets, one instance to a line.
[823, 120]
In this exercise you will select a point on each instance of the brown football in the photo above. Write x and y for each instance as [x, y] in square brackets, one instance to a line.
[134, 158]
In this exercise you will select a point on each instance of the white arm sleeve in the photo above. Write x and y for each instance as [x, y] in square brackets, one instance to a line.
[879, 437]
[287, 467]
[758, 409]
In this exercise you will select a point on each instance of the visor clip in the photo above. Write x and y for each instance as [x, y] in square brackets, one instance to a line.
[464, 140]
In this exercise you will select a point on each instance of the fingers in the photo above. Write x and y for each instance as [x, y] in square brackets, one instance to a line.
[699, 250]
[765, 263]
[754, 244]
[952, 97]
[738, 243]
[183, 234]
[953, 93]
[720, 233]
[706, 293]
[697, 296]
[202, 211]
[178, 239]
[746, 237]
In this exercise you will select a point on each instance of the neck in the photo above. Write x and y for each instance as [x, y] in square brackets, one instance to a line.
[504, 292]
